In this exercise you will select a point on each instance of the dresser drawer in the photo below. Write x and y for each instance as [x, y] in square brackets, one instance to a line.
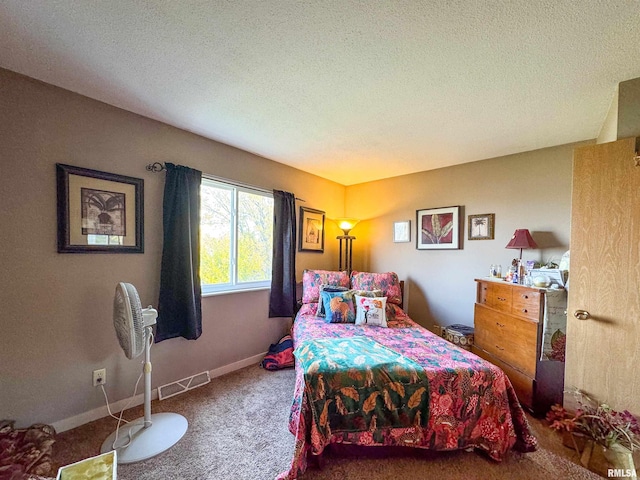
[526, 302]
[499, 296]
[509, 338]
[522, 384]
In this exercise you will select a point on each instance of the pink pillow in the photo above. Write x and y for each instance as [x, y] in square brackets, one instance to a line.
[387, 282]
[312, 279]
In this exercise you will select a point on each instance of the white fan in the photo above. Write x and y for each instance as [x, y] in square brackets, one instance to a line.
[150, 435]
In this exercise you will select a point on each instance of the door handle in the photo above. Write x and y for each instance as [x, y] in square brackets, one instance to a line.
[582, 314]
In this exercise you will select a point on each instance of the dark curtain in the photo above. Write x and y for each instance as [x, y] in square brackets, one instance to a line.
[282, 300]
[179, 308]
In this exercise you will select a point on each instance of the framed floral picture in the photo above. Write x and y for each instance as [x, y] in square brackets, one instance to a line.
[99, 212]
[311, 230]
[481, 227]
[438, 228]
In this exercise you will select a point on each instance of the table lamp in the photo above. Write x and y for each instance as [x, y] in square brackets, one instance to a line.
[521, 239]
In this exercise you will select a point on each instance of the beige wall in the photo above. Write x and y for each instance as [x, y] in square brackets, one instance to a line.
[56, 308]
[529, 190]
[55, 321]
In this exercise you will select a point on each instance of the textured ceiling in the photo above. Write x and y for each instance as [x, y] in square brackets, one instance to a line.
[349, 90]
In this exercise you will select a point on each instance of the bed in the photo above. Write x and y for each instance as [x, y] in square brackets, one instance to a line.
[397, 386]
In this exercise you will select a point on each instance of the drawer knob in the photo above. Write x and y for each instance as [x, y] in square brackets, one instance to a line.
[525, 296]
[524, 310]
[499, 347]
[502, 299]
[500, 324]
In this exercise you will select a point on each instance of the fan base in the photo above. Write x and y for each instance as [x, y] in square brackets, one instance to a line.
[165, 431]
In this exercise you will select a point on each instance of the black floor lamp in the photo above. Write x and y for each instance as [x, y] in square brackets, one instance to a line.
[346, 242]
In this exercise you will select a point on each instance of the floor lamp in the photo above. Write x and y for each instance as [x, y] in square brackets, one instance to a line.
[346, 243]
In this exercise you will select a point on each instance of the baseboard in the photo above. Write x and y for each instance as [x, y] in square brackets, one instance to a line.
[100, 412]
[232, 367]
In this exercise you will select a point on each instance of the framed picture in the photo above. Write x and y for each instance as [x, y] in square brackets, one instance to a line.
[311, 230]
[402, 231]
[99, 212]
[438, 228]
[481, 227]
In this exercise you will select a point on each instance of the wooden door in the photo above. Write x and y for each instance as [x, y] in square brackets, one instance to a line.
[603, 351]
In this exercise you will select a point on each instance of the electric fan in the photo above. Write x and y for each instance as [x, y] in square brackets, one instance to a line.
[150, 435]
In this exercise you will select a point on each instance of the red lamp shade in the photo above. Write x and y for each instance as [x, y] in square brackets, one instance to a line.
[522, 239]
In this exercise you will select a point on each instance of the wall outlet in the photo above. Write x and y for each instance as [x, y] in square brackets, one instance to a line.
[99, 377]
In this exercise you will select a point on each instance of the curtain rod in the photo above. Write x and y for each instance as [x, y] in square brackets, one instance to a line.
[159, 167]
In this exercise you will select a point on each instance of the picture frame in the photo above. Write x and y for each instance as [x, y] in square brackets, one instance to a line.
[438, 228]
[311, 237]
[99, 212]
[481, 226]
[402, 231]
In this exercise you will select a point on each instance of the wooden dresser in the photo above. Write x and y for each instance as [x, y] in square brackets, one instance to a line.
[509, 322]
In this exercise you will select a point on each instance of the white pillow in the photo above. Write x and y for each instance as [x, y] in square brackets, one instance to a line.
[371, 311]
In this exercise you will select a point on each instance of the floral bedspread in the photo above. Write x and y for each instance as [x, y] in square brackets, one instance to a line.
[356, 384]
[472, 403]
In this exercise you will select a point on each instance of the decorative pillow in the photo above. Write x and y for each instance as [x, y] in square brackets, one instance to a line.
[312, 279]
[387, 282]
[394, 312]
[327, 288]
[371, 311]
[338, 307]
[367, 293]
[307, 309]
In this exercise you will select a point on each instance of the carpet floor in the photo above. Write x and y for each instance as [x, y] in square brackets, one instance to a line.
[238, 430]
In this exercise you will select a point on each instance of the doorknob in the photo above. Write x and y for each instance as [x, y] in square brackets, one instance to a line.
[582, 314]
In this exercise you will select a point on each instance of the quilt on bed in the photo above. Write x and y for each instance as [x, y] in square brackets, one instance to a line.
[360, 385]
[471, 403]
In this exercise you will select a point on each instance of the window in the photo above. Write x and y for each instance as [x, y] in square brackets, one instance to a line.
[236, 237]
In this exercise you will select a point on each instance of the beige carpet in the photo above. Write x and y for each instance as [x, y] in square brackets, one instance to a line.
[238, 431]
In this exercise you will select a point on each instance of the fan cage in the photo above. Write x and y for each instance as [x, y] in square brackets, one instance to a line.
[128, 320]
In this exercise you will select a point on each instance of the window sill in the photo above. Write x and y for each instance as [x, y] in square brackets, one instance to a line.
[231, 292]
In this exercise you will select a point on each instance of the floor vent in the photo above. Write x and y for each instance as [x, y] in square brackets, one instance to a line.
[184, 385]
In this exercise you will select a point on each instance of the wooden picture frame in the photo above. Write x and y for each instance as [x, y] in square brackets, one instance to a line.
[481, 226]
[438, 228]
[311, 230]
[99, 212]
[402, 231]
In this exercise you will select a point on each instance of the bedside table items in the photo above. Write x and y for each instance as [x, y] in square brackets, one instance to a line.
[508, 277]
[565, 261]
[556, 276]
[541, 281]
[495, 271]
